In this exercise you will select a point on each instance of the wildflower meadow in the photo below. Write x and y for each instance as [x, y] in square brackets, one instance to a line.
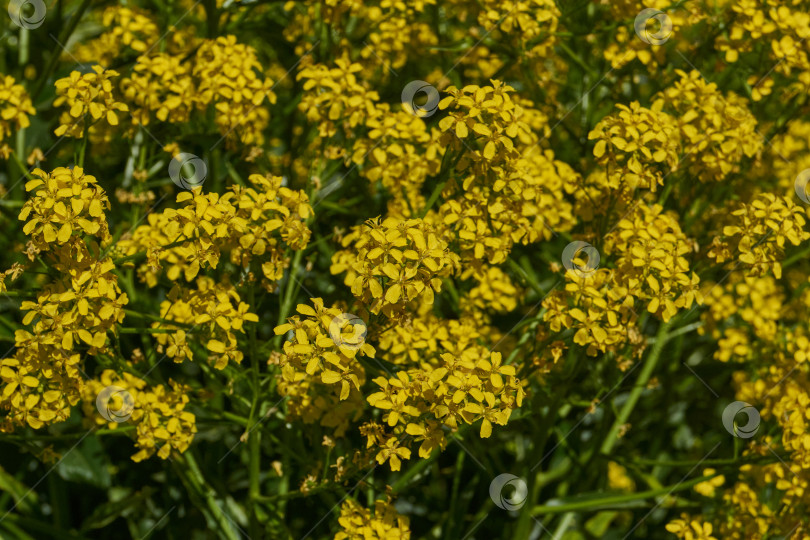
[387, 269]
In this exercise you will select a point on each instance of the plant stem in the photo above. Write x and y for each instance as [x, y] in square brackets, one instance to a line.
[289, 294]
[594, 503]
[643, 378]
[189, 469]
[254, 435]
[525, 275]
[403, 481]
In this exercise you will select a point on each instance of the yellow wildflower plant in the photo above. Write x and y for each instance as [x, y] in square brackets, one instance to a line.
[228, 76]
[632, 144]
[325, 344]
[163, 426]
[358, 522]
[759, 232]
[89, 98]
[128, 29]
[717, 131]
[215, 312]
[652, 261]
[254, 224]
[444, 269]
[394, 262]
[15, 106]
[161, 85]
[40, 383]
[64, 201]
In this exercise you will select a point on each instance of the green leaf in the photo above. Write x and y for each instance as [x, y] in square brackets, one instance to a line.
[24, 499]
[598, 524]
[122, 501]
[86, 464]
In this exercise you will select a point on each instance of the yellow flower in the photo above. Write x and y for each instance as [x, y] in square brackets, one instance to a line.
[358, 522]
[708, 488]
[64, 202]
[89, 98]
[758, 232]
[394, 262]
[15, 106]
[213, 312]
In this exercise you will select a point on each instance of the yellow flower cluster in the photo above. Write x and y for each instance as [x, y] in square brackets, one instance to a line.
[276, 219]
[129, 29]
[358, 522]
[86, 302]
[652, 270]
[87, 94]
[691, 530]
[746, 511]
[15, 106]
[486, 116]
[511, 191]
[651, 260]
[400, 153]
[391, 30]
[494, 291]
[160, 84]
[637, 146]
[780, 28]
[162, 423]
[81, 307]
[447, 379]
[790, 156]
[320, 371]
[393, 263]
[463, 389]
[627, 46]
[745, 309]
[531, 23]
[690, 118]
[41, 382]
[213, 311]
[600, 312]
[64, 202]
[255, 224]
[226, 75]
[334, 98]
[758, 232]
[716, 131]
[75, 311]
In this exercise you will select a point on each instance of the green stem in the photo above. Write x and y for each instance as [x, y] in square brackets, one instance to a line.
[211, 18]
[241, 420]
[189, 469]
[289, 293]
[798, 256]
[643, 378]
[83, 149]
[595, 503]
[254, 471]
[577, 58]
[525, 275]
[444, 176]
[403, 481]
[254, 435]
[19, 294]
